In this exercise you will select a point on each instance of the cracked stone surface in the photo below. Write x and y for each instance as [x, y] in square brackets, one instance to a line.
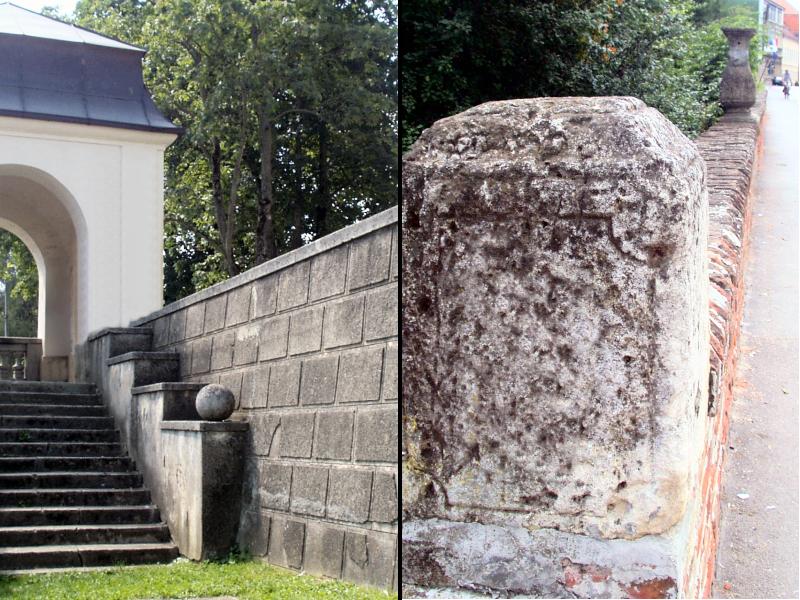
[555, 328]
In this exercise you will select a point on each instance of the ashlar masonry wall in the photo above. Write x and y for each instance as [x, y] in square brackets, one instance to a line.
[308, 344]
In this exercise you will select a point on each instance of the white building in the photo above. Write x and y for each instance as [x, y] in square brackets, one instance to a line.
[81, 177]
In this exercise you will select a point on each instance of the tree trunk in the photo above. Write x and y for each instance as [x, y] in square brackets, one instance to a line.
[323, 189]
[296, 239]
[223, 226]
[265, 229]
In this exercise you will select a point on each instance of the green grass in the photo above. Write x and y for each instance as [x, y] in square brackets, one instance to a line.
[246, 580]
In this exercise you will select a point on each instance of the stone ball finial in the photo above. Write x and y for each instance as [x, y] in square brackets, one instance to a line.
[215, 402]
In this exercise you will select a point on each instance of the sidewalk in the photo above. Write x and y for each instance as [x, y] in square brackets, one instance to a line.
[758, 548]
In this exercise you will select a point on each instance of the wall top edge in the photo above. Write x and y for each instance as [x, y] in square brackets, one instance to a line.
[329, 242]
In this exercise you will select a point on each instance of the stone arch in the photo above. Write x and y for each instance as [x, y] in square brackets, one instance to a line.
[42, 212]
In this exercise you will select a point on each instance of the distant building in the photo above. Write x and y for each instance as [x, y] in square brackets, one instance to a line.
[771, 18]
[790, 55]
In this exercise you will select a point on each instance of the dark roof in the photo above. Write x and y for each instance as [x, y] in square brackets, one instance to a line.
[58, 72]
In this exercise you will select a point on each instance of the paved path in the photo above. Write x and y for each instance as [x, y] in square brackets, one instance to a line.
[758, 549]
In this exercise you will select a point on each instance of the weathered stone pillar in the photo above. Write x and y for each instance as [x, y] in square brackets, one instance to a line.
[737, 90]
[555, 360]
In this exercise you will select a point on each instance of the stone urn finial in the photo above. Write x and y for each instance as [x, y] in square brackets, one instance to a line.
[737, 90]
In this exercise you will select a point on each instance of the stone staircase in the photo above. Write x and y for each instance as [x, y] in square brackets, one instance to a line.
[69, 496]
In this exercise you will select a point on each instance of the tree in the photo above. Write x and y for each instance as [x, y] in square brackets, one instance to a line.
[459, 53]
[289, 110]
[20, 280]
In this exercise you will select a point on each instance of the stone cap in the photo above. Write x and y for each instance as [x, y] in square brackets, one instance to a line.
[216, 426]
[139, 355]
[119, 331]
[347, 234]
[167, 386]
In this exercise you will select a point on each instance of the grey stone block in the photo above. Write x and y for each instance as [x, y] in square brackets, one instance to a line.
[263, 432]
[334, 435]
[254, 533]
[160, 332]
[297, 435]
[324, 550]
[309, 490]
[222, 350]
[195, 317]
[369, 259]
[383, 508]
[245, 350]
[201, 356]
[238, 305]
[328, 273]
[318, 381]
[369, 558]
[344, 321]
[215, 313]
[382, 314]
[390, 372]
[293, 286]
[360, 375]
[265, 296]
[284, 383]
[305, 331]
[233, 381]
[177, 326]
[185, 358]
[255, 385]
[395, 261]
[286, 543]
[275, 483]
[274, 338]
[350, 490]
[376, 435]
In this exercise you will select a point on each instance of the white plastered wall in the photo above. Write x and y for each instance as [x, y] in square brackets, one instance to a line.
[88, 202]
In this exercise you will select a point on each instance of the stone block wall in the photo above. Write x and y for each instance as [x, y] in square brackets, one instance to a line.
[308, 343]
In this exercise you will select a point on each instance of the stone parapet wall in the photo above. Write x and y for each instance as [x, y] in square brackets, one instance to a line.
[730, 150]
[308, 344]
[572, 299]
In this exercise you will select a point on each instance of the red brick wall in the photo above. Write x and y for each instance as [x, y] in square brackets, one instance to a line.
[730, 149]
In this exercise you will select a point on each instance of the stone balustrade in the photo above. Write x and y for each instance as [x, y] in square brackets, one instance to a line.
[20, 358]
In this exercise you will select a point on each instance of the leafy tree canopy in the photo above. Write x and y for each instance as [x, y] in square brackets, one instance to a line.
[669, 53]
[19, 278]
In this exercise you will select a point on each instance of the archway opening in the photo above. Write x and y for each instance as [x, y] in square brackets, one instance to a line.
[19, 286]
[38, 210]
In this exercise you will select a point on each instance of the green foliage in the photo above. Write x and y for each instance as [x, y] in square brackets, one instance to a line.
[19, 276]
[241, 579]
[322, 75]
[669, 53]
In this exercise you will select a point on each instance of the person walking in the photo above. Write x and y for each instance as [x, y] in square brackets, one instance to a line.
[787, 78]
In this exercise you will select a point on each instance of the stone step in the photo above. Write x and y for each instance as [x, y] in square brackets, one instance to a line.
[53, 410]
[57, 435]
[69, 479]
[44, 422]
[47, 386]
[16, 464]
[27, 498]
[82, 555]
[10, 449]
[47, 535]
[89, 399]
[77, 515]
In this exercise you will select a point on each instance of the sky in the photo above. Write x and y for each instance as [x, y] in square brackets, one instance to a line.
[63, 6]
[67, 6]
